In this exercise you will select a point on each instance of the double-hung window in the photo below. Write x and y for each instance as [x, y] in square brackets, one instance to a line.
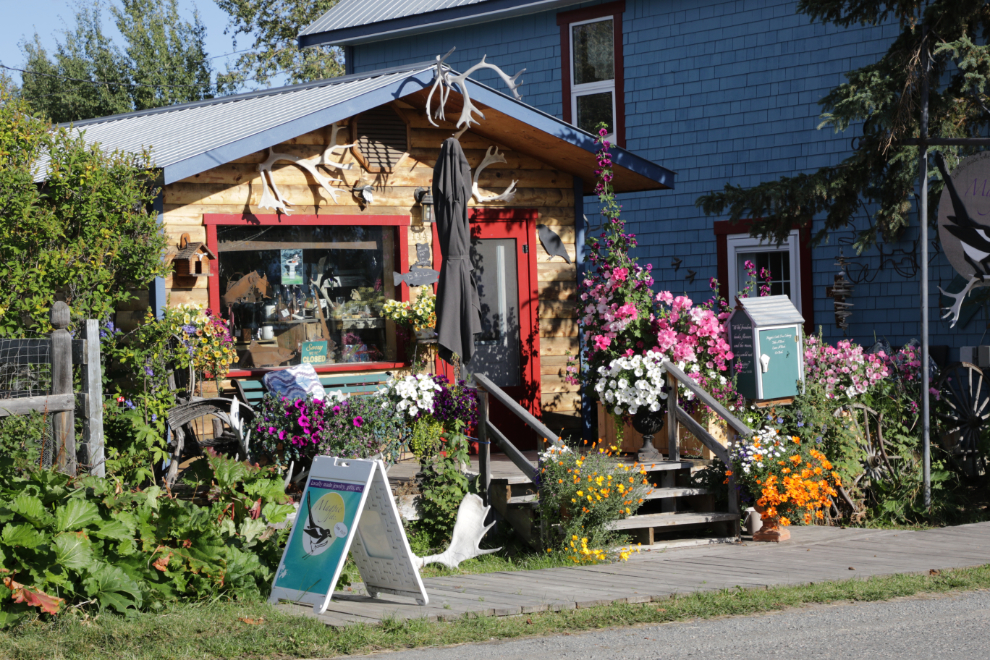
[591, 68]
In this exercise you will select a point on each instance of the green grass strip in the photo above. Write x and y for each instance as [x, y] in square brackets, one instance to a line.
[219, 630]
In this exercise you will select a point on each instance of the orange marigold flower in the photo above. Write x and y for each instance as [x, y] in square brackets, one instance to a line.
[785, 521]
[795, 459]
[796, 439]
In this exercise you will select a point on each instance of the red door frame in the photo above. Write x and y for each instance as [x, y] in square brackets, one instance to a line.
[212, 220]
[519, 224]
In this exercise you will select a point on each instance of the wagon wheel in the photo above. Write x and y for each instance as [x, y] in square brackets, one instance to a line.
[966, 395]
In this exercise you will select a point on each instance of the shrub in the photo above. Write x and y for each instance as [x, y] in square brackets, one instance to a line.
[581, 495]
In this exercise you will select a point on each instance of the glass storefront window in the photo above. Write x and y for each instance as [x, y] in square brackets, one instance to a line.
[307, 293]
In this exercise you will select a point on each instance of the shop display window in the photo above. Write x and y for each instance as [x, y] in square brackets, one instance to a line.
[307, 293]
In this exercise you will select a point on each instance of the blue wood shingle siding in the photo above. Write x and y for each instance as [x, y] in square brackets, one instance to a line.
[721, 92]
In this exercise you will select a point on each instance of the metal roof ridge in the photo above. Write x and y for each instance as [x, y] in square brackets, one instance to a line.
[244, 96]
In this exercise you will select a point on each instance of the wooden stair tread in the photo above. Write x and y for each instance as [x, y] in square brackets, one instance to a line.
[657, 494]
[672, 519]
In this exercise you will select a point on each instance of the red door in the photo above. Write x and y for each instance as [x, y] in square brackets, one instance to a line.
[508, 349]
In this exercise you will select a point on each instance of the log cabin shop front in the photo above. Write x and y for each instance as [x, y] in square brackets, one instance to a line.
[297, 242]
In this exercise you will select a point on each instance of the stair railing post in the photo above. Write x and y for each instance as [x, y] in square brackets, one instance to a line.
[484, 447]
[674, 452]
[63, 423]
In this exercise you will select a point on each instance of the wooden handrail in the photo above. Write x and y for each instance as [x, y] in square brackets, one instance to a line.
[514, 454]
[517, 410]
[708, 400]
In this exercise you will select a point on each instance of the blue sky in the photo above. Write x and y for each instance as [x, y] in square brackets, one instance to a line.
[49, 18]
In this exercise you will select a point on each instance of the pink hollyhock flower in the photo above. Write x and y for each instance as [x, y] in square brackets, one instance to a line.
[602, 342]
[620, 274]
[665, 297]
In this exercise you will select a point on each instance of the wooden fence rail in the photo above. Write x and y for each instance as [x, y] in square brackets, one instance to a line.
[62, 402]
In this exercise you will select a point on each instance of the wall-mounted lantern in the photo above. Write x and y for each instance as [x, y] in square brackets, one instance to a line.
[425, 199]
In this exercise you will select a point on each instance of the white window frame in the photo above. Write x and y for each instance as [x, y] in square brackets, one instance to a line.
[743, 243]
[586, 89]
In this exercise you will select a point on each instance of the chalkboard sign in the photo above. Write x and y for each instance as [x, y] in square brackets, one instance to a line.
[767, 345]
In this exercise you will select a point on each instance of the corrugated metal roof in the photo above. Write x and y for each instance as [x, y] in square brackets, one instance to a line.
[771, 310]
[192, 137]
[362, 21]
[350, 13]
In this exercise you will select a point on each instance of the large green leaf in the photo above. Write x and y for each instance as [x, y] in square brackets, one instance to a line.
[24, 536]
[113, 588]
[30, 508]
[113, 529]
[251, 528]
[73, 550]
[276, 513]
[76, 514]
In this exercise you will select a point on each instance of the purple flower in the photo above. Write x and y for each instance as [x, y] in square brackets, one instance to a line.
[336, 410]
[358, 421]
[149, 371]
[271, 429]
[129, 404]
[281, 435]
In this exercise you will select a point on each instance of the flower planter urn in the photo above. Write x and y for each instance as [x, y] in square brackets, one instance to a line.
[648, 422]
[771, 531]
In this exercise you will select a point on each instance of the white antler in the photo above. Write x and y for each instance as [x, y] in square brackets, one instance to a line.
[492, 156]
[332, 147]
[278, 201]
[444, 80]
[469, 529]
[975, 282]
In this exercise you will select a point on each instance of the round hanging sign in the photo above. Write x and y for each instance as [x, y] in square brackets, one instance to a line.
[964, 215]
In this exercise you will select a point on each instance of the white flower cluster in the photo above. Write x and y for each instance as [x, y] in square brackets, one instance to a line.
[749, 453]
[629, 383]
[412, 395]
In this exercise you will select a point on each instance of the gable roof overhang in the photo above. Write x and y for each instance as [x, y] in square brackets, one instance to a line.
[352, 22]
[191, 138]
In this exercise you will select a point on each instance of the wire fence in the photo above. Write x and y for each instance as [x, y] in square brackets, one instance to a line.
[25, 368]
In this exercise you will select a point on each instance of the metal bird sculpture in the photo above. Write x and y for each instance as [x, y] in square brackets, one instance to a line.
[365, 194]
[676, 263]
[690, 276]
[552, 243]
[974, 239]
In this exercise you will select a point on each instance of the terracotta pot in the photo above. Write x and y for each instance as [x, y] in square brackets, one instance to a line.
[771, 531]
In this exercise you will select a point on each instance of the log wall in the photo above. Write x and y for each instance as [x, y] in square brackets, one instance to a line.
[236, 188]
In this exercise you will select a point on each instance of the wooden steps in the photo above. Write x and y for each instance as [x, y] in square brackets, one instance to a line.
[533, 499]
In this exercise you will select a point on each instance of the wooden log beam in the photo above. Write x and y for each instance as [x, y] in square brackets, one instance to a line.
[53, 403]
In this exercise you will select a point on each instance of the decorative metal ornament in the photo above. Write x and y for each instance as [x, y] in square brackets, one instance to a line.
[551, 242]
[842, 289]
[420, 273]
[964, 236]
[492, 156]
[445, 81]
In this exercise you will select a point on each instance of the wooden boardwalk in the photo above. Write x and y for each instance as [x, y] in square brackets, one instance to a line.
[814, 554]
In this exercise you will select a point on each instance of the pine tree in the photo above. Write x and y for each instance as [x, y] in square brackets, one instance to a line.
[274, 26]
[880, 177]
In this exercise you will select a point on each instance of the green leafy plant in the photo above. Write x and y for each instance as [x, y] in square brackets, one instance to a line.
[442, 487]
[91, 542]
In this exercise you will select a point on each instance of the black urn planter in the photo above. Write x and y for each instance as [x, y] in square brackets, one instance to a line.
[648, 422]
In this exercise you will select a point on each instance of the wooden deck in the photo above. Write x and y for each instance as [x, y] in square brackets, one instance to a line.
[814, 554]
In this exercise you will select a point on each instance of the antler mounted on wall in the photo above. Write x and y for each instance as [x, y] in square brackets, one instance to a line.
[445, 80]
[272, 198]
[492, 156]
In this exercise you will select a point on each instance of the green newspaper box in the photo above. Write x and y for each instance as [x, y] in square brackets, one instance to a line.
[766, 340]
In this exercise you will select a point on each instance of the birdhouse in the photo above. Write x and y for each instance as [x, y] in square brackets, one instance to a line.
[192, 259]
[765, 336]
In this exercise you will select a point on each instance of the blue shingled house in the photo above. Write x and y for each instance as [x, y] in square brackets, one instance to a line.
[721, 91]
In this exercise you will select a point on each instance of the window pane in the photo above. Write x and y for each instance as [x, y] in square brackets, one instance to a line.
[593, 52]
[777, 264]
[593, 109]
[309, 272]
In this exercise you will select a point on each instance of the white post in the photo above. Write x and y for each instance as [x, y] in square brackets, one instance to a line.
[92, 385]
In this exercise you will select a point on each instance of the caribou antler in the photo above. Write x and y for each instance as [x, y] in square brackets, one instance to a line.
[469, 529]
[332, 147]
[444, 80]
[278, 201]
[975, 282]
[492, 156]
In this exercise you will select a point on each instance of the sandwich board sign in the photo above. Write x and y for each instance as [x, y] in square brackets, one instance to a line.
[346, 507]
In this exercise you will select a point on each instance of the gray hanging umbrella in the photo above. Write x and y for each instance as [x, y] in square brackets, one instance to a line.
[458, 306]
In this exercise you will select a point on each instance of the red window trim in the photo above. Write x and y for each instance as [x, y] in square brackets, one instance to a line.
[724, 228]
[212, 220]
[564, 20]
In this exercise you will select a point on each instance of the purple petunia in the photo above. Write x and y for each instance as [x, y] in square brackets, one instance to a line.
[358, 421]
